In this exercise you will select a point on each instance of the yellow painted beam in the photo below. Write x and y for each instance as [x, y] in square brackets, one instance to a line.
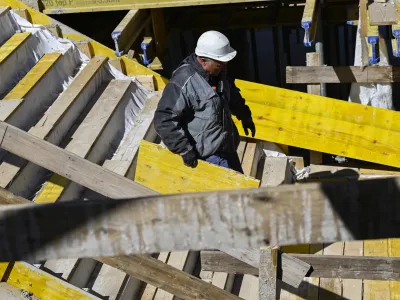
[43, 285]
[319, 106]
[33, 77]
[159, 169]
[78, 6]
[12, 45]
[132, 68]
[328, 125]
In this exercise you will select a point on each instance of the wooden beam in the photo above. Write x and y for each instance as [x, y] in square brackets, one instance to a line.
[314, 59]
[268, 273]
[325, 125]
[79, 6]
[12, 45]
[129, 29]
[382, 13]
[309, 22]
[100, 228]
[348, 74]
[143, 267]
[33, 77]
[85, 47]
[325, 266]
[159, 30]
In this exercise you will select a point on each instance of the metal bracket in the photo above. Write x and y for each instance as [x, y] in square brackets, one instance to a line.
[115, 36]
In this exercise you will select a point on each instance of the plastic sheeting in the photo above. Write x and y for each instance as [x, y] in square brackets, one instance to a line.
[8, 26]
[377, 95]
[60, 77]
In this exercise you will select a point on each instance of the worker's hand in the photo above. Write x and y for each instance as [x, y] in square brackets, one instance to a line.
[249, 124]
[190, 159]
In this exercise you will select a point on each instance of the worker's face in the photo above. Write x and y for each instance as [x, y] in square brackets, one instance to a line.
[213, 67]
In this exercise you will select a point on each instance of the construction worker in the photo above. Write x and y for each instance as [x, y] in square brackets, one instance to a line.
[193, 117]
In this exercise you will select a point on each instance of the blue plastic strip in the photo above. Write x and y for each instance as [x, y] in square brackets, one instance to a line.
[396, 34]
[144, 47]
[307, 25]
[374, 40]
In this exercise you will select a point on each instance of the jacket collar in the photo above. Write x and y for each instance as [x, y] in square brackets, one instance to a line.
[192, 60]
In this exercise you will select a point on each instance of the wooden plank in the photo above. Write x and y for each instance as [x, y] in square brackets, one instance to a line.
[33, 77]
[374, 289]
[276, 171]
[154, 171]
[85, 47]
[4, 10]
[268, 273]
[23, 13]
[394, 252]
[118, 64]
[42, 284]
[317, 105]
[150, 290]
[78, 6]
[326, 202]
[314, 59]
[159, 30]
[327, 266]
[130, 28]
[333, 136]
[352, 288]
[147, 81]
[331, 286]
[160, 274]
[68, 164]
[12, 45]
[342, 74]
[364, 18]
[382, 13]
[309, 21]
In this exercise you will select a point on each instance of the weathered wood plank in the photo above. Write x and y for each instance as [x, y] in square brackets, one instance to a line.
[326, 266]
[342, 74]
[268, 273]
[68, 165]
[331, 208]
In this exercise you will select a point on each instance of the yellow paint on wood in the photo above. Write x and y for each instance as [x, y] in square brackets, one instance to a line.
[35, 16]
[161, 170]
[350, 139]
[33, 77]
[52, 189]
[12, 44]
[376, 289]
[3, 268]
[43, 285]
[319, 106]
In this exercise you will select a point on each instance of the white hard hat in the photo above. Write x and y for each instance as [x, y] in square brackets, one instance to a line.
[215, 45]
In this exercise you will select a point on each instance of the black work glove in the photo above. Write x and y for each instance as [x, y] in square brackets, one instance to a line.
[249, 124]
[190, 159]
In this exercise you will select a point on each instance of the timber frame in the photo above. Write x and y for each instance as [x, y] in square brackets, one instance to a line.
[134, 237]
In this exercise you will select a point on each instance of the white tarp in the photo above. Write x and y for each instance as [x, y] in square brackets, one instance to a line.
[377, 95]
[8, 26]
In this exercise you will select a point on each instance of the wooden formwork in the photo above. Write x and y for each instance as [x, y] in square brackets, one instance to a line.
[85, 133]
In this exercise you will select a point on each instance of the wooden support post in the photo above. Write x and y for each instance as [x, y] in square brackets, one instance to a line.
[364, 18]
[55, 30]
[382, 13]
[159, 30]
[313, 59]
[268, 273]
[310, 22]
[129, 29]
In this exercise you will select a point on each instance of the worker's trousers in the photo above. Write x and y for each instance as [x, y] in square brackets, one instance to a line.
[226, 160]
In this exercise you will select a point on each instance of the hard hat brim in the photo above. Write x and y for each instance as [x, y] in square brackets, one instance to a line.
[224, 58]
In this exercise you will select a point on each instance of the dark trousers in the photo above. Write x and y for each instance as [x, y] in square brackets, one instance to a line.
[226, 160]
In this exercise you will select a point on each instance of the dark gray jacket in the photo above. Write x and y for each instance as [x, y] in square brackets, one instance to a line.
[191, 114]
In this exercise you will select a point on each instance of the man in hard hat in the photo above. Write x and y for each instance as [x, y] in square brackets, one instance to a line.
[193, 117]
